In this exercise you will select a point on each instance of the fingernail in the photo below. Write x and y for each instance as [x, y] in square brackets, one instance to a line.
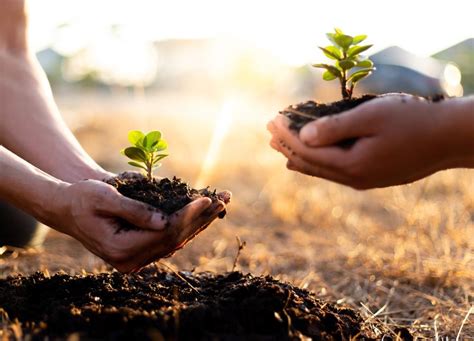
[309, 134]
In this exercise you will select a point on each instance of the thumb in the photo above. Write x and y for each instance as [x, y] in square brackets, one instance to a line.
[138, 213]
[331, 129]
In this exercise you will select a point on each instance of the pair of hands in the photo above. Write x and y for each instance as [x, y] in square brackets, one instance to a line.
[91, 210]
[399, 139]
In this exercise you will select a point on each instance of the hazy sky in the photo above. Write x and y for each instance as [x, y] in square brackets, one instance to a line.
[290, 30]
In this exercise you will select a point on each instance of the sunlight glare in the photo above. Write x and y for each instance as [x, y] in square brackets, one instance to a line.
[221, 129]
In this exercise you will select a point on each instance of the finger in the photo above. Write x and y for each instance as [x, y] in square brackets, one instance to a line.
[193, 224]
[332, 129]
[135, 212]
[201, 223]
[185, 217]
[299, 165]
[225, 196]
[275, 144]
[328, 157]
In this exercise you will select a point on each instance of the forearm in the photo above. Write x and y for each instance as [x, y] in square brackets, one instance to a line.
[27, 187]
[31, 125]
[458, 131]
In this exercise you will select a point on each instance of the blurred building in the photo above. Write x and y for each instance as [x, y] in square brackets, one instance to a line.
[462, 55]
[398, 70]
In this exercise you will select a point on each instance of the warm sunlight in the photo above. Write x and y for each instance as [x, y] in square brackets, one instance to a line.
[221, 129]
[288, 30]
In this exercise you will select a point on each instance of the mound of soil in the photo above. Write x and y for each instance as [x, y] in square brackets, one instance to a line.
[303, 113]
[167, 195]
[161, 305]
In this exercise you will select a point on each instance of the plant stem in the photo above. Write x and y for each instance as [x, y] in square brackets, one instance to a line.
[149, 167]
[345, 94]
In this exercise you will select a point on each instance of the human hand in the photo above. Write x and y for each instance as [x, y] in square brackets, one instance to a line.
[90, 211]
[399, 139]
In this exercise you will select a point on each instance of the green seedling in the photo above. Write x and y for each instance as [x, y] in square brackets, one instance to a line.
[346, 53]
[146, 150]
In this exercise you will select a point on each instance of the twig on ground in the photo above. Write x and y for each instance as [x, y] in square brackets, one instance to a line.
[180, 277]
[240, 246]
[464, 322]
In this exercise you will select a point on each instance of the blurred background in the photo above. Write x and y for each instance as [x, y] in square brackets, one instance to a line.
[209, 75]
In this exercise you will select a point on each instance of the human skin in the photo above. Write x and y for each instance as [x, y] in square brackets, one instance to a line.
[400, 139]
[90, 211]
[32, 126]
[43, 168]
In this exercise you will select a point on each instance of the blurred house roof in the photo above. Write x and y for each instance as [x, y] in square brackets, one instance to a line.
[398, 70]
[397, 56]
[462, 54]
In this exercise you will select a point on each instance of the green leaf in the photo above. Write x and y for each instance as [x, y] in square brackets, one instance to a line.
[343, 41]
[346, 64]
[332, 52]
[159, 157]
[355, 50]
[338, 31]
[135, 137]
[334, 70]
[161, 145]
[156, 166]
[321, 66]
[328, 76]
[358, 75]
[135, 153]
[151, 139]
[367, 63]
[136, 164]
[358, 39]
[331, 38]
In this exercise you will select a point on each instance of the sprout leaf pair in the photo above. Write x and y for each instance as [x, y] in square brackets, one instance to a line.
[346, 54]
[145, 152]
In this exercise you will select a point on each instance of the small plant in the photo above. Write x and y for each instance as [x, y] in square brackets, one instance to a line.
[346, 52]
[145, 151]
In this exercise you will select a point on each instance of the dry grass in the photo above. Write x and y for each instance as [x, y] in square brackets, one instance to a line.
[403, 255]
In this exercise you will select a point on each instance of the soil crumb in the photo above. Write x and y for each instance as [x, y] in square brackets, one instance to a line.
[302, 113]
[159, 305]
[167, 195]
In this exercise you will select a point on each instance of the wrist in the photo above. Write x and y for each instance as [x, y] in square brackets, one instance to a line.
[54, 207]
[458, 129]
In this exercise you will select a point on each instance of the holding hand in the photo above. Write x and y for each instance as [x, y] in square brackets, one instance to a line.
[400, 139]
[91, 211]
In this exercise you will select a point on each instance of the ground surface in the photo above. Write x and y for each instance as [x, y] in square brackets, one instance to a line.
[401, 257]
[155, 304]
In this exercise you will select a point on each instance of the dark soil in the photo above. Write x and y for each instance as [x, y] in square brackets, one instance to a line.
[156, 305]
[303, 113]
[167, 195]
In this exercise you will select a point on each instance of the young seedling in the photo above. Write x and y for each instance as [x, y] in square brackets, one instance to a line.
[346, 52]
[145, 151]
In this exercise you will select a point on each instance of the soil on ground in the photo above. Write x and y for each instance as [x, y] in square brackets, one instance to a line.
[157, 305]
[167, 195]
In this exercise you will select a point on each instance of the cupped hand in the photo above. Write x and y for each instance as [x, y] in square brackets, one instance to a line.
[399, 139]
[91, 211]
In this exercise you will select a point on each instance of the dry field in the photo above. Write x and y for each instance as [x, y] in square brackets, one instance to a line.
[403, 256]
